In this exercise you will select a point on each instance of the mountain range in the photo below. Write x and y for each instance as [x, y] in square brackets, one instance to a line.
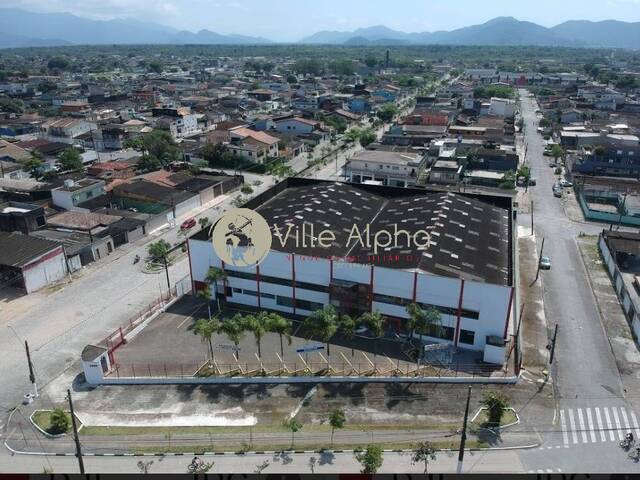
[21, 28]
[499, 31]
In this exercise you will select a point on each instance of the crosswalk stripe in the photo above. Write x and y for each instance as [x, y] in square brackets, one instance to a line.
[572, 424]
[583, 428]
[590, 425]
[634, 420]
[603, 435]
[625, 419]
[563, 425]
[609, 424]
[616, 419]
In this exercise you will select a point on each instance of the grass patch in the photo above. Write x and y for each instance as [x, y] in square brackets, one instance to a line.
[243, 447]
[265, 428]
[508, 417]
[42, 418]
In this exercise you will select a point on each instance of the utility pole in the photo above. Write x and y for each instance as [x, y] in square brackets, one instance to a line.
[553, 344]
[463, 437]
[166, 271]
[539, 258]
[32, 375]
[75, 434]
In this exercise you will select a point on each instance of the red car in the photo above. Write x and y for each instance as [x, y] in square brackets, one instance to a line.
[188, 223]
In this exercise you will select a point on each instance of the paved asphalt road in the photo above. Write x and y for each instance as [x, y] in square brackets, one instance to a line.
[475, 462]
[589, 388]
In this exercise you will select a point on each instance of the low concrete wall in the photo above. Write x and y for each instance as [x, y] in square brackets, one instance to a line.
[305, 379]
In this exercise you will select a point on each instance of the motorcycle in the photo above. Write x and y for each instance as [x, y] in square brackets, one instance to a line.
[195, 465]
[626, 443]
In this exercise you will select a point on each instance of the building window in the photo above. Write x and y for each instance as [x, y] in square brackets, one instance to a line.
[284, 301]
[467, 336]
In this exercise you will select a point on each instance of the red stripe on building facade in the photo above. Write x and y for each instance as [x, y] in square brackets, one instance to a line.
[258, 285]
[506, 322]
[371, 291]
[415, 287]
[224, 280]
[456, 335]
[293, 280]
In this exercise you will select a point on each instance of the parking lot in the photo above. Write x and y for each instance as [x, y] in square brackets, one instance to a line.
[168, 346]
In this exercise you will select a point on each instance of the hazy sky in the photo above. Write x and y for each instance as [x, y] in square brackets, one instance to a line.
[285, 20]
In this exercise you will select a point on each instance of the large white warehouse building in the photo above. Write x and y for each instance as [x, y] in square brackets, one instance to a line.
[466, 272]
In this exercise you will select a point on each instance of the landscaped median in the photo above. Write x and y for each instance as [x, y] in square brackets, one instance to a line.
[53, 423]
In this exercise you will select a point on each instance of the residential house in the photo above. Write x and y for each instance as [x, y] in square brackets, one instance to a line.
[395, 169]
[74, 192]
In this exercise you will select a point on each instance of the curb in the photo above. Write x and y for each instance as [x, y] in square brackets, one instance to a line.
[259, 452]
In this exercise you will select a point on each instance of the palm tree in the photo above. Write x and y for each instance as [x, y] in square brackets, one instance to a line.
[323, 324]
[430, 323]
[207, 329]
[347, 327]
[234, 329]
[280, 325]
[205, 294]
[416, 318]
[214, 275]
[375, 322]
[257, 324]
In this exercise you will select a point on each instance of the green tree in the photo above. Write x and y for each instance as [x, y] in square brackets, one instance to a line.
[204, 222]
[508, 181]
[207, 329]
[155, 66]
[387, 112]
[257, 324]
[337, 420]
[282, 326]
[557, 152]
[375, 323]
[214, 276]
[495, 403]
[524, 171]
[370, 61]
[70, 160]
[58, 63]
[159, 251]
[423, 452]
[33, 165]
[11, 105]
[371, 459]
[280, 170]
[234, 329]
[322, 324]
[147, 163]
[416, 318]
[293, 426]
[347, 328]
[58, 421]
